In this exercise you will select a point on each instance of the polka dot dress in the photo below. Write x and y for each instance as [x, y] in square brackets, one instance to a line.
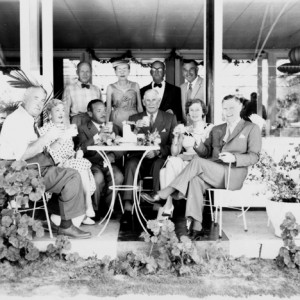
[65, 156]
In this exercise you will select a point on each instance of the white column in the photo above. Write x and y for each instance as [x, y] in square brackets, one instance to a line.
[47, 43]
[217, 66]
[29, 37]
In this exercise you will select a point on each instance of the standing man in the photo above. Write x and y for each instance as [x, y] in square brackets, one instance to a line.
[193, 88]
[77, 96]
[89, 134]
[19, 140]
[237, 142]
[168, 93]
[164, 123]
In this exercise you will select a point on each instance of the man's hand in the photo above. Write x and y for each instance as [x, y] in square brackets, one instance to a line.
[151, 154]
[227, 157]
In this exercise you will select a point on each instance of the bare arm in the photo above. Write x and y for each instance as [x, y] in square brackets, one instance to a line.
[138, 98]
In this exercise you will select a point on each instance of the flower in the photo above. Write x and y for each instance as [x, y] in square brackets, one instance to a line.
[179, 129]
[109, 139]
[153, 138]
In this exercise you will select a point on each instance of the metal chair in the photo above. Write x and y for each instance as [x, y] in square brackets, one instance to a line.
[44, 206]
[238, 199]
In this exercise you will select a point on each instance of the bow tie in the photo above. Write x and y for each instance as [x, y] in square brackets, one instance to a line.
[83, 85]
[157, 85]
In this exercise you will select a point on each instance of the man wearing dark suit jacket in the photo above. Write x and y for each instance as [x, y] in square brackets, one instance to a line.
[237, 142]
[170, 94]
[90, 134]
[164, 123]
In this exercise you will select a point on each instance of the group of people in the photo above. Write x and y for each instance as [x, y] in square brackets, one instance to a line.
[191, 158]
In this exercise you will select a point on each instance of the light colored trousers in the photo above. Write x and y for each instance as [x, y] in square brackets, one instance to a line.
[198, 175]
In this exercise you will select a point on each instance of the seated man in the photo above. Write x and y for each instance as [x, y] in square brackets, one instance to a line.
[19, 140]
[164, 123]
[90, 134]
[237, 142]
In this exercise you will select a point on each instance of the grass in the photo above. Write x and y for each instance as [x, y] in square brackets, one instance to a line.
[235, 277]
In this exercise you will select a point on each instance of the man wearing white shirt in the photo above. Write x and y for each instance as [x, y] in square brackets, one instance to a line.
[19, 140]
[193, 88]
[169, 94]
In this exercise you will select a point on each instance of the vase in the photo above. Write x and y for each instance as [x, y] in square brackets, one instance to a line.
[276, 213]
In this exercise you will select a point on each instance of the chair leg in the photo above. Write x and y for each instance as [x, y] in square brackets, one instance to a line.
[210, 206]
[33, 211]
[244, 219]
[47, 216]
[216, 215]
[220, 223]
[121, 204]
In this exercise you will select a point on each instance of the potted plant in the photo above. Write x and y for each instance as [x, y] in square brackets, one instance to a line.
[284, 185]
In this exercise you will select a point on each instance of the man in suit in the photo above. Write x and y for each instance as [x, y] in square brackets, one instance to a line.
[169, 94]
[20, 140]
[164, 123]
[237, 142]
[193, 88]
[90, 134]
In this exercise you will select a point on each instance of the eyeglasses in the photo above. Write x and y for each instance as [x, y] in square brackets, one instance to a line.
[157, 69]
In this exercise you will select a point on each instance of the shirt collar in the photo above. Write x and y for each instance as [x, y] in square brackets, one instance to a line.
[154, 115]
[193, 83]
[98, 126]
[234, 124]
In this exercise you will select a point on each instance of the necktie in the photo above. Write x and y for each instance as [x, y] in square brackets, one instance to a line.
[227, 134]
[151, 121]
[189, 92]
[83, 85]
[157, 85]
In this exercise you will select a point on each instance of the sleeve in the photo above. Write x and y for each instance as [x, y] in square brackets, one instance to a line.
[254, 144]
[166, 149]
[84, 140]
[14, 139]
[205, 148]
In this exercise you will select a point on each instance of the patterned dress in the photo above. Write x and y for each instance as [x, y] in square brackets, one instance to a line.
[124, 102]
[65, 156]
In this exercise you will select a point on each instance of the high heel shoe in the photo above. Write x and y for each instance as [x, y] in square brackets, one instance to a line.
[153, 198]
[189, 226]
[165, 214]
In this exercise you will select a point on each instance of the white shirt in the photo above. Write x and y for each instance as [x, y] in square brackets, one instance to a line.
[16, 135]
[233, 125]
[160, 90]
[98, 126]
[192, 83]
[154, 116]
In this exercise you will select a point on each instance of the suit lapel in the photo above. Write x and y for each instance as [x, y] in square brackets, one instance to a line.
[165, 95]
[197, 87]
[92, 128]
[239, 127]
[159, 122]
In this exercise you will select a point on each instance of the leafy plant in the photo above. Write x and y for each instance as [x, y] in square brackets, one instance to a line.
[178, 255]
[16, 233]
[62, 243]
[289, 254]
[20, 183]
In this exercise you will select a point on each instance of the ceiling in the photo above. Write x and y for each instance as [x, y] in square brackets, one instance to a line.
[157, 24]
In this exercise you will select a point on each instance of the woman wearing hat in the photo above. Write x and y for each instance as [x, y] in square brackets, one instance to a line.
[123, 97]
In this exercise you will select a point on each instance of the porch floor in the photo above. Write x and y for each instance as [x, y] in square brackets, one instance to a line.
[120, 238]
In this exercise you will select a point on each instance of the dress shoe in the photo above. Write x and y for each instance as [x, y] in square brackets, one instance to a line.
[165, 214]
[197, 235]
[126, 217]
[73, 232]
[54, 227]
[153, 198]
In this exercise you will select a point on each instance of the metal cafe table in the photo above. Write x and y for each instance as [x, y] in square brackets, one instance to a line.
[102, 150]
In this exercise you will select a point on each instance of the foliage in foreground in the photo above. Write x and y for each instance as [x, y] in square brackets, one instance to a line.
[289, 254]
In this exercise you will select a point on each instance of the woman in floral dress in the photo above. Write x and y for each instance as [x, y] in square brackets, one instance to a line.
[62, 152]
[185, 138]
